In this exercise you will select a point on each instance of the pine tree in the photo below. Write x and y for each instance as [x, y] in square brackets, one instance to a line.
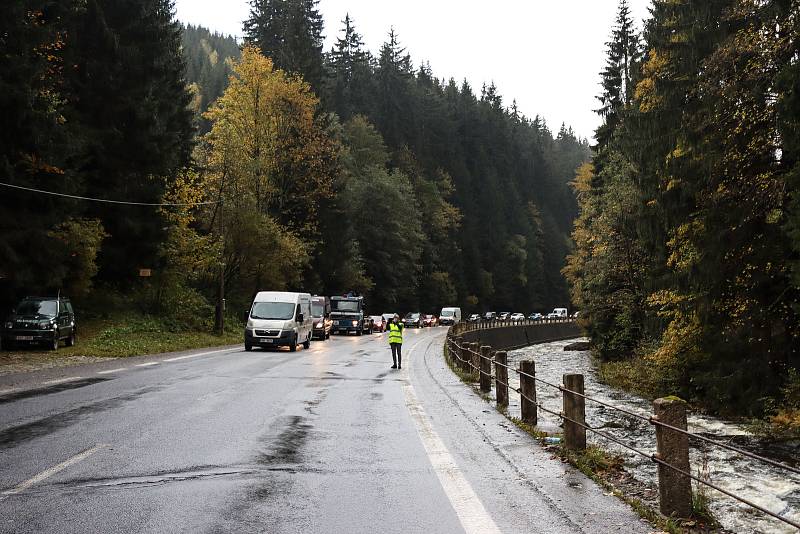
[348, 81]
[129, 96]
[290, 33]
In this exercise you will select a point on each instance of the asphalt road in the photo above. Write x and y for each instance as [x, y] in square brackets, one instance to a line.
[328, 439]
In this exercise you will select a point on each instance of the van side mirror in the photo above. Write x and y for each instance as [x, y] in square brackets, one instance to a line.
[300, 318]
[246, 315]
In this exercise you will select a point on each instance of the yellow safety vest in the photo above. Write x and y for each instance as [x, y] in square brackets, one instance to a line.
[395, 333]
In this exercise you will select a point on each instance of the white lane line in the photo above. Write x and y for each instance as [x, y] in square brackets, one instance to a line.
[147, 364]
[47, 473]
[108, 372]
[60, 380]
[468, 507]
[198, 354]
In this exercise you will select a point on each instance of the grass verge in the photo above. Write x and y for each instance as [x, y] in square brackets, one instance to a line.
[117, 337]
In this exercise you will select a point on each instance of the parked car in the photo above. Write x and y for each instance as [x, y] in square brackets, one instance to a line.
[490, 316]
[279, 319]
[430, 320]
[535, 316]
[517, 317]
[378, 323]
[558, 313]
[40, 321]
[413, 320]
[321, 313]
[450, 316]
[504, 316]
[474, 318]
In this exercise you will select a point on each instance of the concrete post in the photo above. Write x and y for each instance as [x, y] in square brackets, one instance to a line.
[501, 374]
[528, 389]
[575, 409]
[486, 369]
[674, 489]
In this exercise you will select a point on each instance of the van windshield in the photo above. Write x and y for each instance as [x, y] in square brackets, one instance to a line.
[317, 309]
[272, 310]
[448, 313]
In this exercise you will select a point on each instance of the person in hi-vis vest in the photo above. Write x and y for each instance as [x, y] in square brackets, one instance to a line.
[396, 341]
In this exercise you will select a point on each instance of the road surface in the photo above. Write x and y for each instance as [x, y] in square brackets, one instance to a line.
[328, 439]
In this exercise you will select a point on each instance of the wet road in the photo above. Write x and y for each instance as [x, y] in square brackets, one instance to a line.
[323, 440]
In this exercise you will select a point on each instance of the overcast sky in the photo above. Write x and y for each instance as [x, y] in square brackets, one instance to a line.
[546, 54]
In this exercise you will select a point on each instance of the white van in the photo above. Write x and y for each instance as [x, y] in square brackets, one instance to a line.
[450, 316]
[279, 319]
[558, 313]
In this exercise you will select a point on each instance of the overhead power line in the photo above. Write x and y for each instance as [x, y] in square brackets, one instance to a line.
[107, 201]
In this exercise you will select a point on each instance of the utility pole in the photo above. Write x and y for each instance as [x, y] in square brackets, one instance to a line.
[220, 318]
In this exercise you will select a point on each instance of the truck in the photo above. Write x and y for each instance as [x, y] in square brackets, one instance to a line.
[347, 314]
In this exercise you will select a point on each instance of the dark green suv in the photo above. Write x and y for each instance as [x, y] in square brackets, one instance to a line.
[40, 321]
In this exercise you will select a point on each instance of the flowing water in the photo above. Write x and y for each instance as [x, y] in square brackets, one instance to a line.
[772, 488]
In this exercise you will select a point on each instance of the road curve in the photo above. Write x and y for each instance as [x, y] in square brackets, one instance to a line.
[328, 439]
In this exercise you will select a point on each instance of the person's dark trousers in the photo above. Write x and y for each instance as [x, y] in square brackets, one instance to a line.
[397, 357]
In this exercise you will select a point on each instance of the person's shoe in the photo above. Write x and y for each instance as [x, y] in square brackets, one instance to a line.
[394, 367]
[399, 366]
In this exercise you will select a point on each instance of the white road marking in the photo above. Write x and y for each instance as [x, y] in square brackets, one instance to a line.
[147, 364]
[60, 380]
[119, 369]
[473, 516]
[196, 355]
[47, 473]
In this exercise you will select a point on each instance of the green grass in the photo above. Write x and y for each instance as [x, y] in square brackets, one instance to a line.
[117, 337]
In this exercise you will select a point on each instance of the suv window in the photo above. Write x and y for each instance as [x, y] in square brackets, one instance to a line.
[38, 307]
[68, 306]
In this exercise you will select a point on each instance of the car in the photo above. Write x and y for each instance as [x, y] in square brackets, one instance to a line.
[40, 321]
[552, 315]
[379, 324]
[576, 314]
[413, 320]
[558, 313]
[504, 316]
[387, 318]
[474, 318]
[429, 320]
[490, 316]
[516, 317]
[535, 316]
[321, 313]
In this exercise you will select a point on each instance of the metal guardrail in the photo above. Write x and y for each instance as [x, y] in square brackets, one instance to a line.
[454, 349]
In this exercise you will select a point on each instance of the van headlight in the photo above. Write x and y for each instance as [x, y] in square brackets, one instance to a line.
[355, 323]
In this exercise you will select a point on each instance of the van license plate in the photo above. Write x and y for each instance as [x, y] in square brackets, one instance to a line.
[24, 338]
[266, 342]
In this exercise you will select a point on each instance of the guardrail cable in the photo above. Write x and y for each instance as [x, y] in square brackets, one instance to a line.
[651, 419]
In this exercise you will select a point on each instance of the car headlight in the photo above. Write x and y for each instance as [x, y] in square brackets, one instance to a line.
[45, 325]
[355, 323]
[318, 325]
[9, 325]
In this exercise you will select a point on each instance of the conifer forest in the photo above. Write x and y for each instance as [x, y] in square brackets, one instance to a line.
[285, 164]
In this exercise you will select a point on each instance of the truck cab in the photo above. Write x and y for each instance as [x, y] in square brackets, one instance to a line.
[347, 314]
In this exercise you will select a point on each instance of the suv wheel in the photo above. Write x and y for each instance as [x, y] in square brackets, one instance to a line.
[71, 340]
[55, 342]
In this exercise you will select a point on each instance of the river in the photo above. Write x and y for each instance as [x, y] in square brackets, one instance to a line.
[775, 489]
